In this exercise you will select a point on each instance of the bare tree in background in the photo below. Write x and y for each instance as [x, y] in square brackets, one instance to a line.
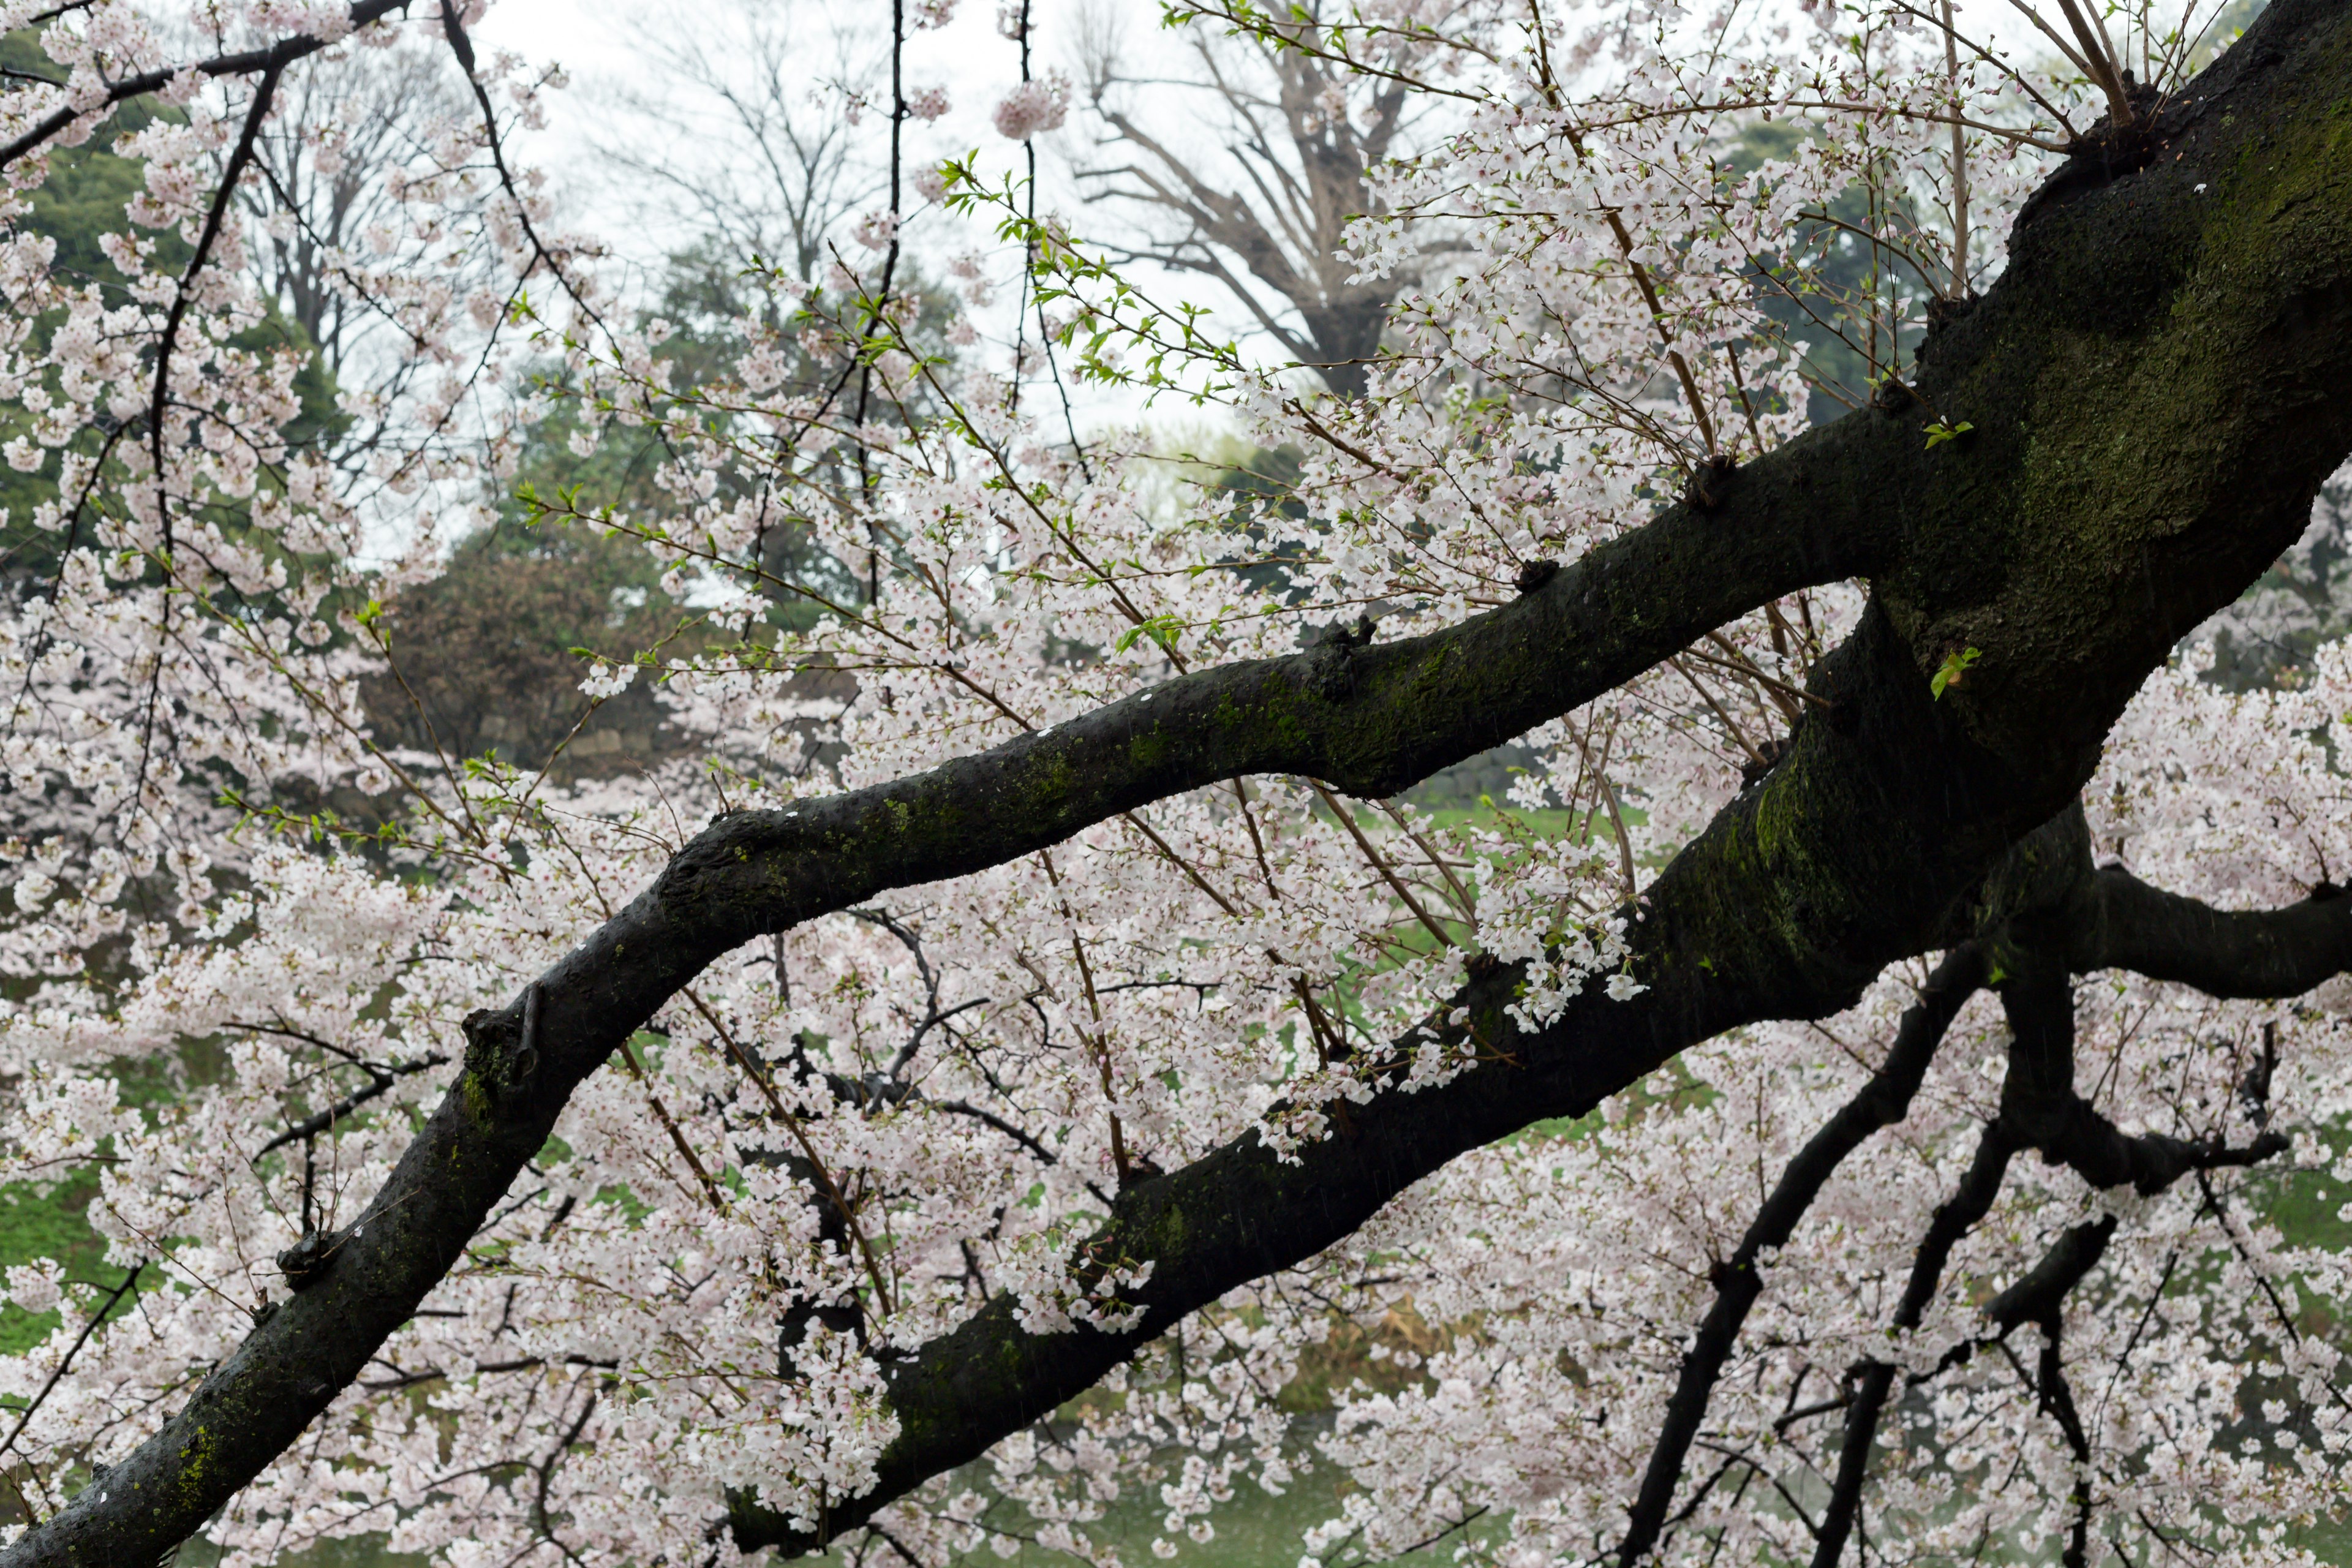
[1259, 198]
[773, 131]
[323, 157]
[771, 96]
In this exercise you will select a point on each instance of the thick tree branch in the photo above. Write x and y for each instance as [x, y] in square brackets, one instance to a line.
[2043, 1289]
[1241, 1213]
[1370, 719]
[2127, 924]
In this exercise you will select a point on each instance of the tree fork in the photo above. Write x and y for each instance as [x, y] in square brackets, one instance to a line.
[1881, 1102]
[1241, 1212]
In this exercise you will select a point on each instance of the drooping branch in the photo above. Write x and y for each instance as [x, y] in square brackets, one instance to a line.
[1954, 1218]
[2039, 1110]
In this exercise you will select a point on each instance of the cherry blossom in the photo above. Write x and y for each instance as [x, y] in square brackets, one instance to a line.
[846, 1142]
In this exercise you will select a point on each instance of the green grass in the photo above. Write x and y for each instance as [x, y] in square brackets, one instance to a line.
[35, 1223]
[361, 1551]
[1254, 1531]
[2304, 1205]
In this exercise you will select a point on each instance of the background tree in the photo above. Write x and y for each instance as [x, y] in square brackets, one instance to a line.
[326, 160]
[762, 117]
[485, 660]
[1262, 202]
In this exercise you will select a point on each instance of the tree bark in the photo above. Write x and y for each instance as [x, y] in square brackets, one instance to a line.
[2157, 390]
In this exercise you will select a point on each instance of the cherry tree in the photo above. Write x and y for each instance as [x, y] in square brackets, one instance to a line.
[1837, 1106]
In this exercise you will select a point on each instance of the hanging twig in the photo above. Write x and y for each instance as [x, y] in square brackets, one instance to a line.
[385, 1077]
[661, 1114]
[816, 1165]
[160, 397]
[1379, 863]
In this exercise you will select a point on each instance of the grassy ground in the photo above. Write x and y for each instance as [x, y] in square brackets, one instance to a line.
[1255, 1532]
[35, 1223]
[2306, 1207]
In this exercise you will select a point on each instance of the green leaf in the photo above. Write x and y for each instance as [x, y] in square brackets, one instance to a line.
[1956, 665]
[1161, 629]
[1938, 433]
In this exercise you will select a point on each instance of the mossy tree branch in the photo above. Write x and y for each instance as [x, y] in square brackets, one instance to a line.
[1369, 719]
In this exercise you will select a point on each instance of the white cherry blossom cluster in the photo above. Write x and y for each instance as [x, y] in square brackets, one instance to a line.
[839, 1143]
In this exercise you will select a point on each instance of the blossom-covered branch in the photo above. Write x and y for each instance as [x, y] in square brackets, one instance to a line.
[1037, 1012]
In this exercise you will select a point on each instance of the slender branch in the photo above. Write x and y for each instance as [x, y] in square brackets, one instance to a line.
[2039, 1109]
[826, 1186]
[1954, 1218]
[246, 62]
[453, 27]
[382, 1079]
[2057, 1398]
[989, 1118]
[66, 1361]
[1881, 1102]
[678, 1139]
[239, 160]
